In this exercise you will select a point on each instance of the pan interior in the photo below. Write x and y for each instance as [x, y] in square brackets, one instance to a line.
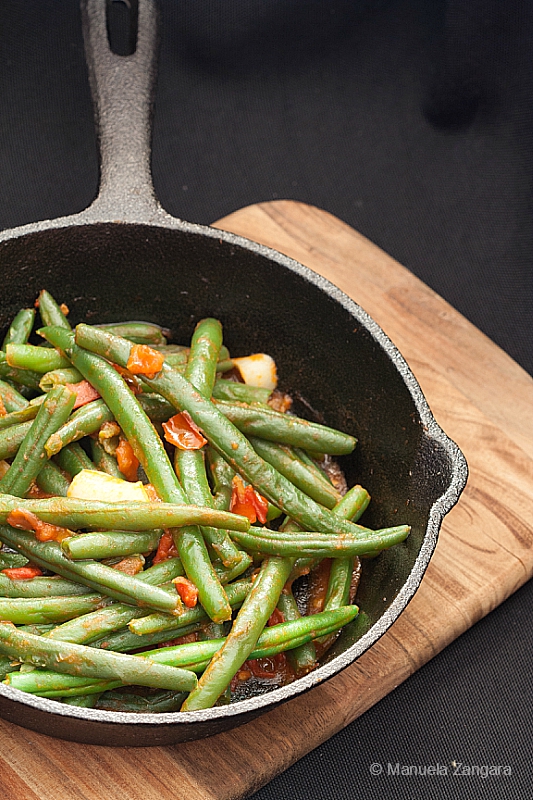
[326, 354]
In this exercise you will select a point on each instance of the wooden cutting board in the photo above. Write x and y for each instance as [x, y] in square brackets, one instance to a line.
[484, 401]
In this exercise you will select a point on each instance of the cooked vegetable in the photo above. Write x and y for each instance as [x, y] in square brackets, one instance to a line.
[193, 656]
[39, 359]
[153, 458]
[32, 454]
[21, 327]
[159, 529]
[76, 659]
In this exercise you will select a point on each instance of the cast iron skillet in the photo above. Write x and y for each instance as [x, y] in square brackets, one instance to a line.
[126, 258]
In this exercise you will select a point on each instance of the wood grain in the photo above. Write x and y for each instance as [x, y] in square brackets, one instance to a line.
[484, 401]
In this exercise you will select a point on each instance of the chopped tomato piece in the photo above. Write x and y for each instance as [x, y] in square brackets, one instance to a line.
[84, 391]
[181, 431]
[247, 502]
[131, 565]
[144, 360]
[166, 548]
[44, 531]
[22, 573]
[186, 590]
[20, 518]
[127, 461]
[276, 618]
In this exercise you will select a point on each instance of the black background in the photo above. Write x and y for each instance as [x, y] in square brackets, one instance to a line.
[412, 122]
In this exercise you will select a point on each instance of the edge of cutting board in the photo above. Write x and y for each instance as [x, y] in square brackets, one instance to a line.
[483, 400]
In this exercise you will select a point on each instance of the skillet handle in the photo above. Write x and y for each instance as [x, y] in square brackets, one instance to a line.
[122, 89]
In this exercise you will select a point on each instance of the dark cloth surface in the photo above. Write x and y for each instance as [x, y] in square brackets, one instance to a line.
[412, 122]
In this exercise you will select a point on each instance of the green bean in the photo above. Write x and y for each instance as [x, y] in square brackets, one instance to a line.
[59, 377]
[319, 545]
[39, 587]
[195, 655]
[50, 311]
[201, 370]
[205, 347]
[239, 392]
[245, 631]
[94, 625]
[11, 398]
[171, 348]
[156, 407]
[312, 464]
[37, 629]
[16, 417]
[222, 476]
[21, 327]
[73, 459]
[153, 458]
[31, 454]
[87, 701]
[38, 359]
[75, 659]
[155, 623]
[7, 665]
[26, 610]
[104, 461]
[124, 641]
[96, 576]
[266, 423]
[302, 659]
[52, 480]
[74, 513]
[190, 465]
[159, 703]
[181, 349]
[162, 572]
[283, 459]
[225, 365]
[8, 560]
[352, 506]
[24, 377]
[178, 360]
[110, 543]
[137, 332]
[275, 639]
[83, 422]
[191, 469]
[227, 574]
[11, 438]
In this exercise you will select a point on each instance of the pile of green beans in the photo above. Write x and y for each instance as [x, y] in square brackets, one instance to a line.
[83, 604]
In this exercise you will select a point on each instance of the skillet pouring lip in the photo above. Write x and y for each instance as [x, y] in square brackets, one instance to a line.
[251, 707]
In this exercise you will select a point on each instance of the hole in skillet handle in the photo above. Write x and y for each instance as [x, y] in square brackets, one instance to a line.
[122, 19]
